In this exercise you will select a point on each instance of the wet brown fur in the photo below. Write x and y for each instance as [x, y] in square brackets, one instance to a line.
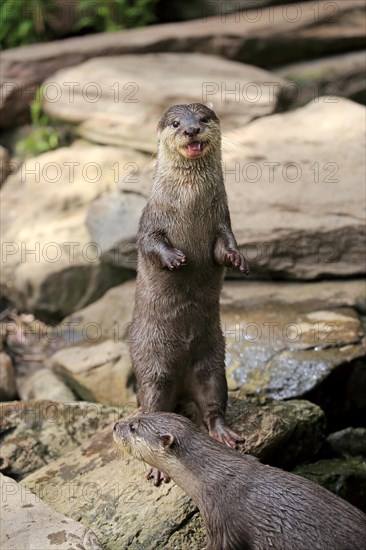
[184, 242]
[245, 505]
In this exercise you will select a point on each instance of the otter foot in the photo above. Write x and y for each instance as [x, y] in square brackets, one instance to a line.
[233, 258]
[222, 433]
[174, 259]
[157, 476]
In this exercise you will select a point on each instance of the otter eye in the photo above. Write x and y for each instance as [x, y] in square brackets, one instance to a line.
[132, 428]
[204, 119]
[176, 124]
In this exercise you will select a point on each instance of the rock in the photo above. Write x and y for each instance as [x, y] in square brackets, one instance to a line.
[288, 340]
[342, 394]
[268, 37]
[27, 522]
[130, 99]
[344, 477]
[339, 75]
[282, 433]
[99, 372]
[305, 297]
[124, 510]
[109, 316]
[112, 313]
[262, 369]
[30, 342]
[35, 433]
[49, 262]
[44, 384]
[347, 442]
[4, 164]
[8, 389]
[116, 241]
[296, 203]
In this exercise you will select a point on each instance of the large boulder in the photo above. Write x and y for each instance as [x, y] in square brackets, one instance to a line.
[265, 37]
[296, 191]
[50, 263]
[125, 102]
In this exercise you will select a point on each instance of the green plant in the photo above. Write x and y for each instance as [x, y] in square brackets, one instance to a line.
[24, 22]
[43, 136]
[111, 15]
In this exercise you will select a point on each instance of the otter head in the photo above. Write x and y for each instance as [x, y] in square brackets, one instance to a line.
[191, 131]
[155, 438]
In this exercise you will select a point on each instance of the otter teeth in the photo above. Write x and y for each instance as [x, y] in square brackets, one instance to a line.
[195, 146]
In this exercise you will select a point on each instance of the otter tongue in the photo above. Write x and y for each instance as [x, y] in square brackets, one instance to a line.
[194, 147]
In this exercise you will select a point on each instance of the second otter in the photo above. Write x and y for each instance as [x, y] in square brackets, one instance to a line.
[184, 243]
[245, 505]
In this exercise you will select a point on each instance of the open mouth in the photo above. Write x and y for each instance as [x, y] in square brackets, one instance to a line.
[195, 148]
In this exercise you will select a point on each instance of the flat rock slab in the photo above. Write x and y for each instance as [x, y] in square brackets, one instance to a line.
[305, 297]
[104, 488]
[50, 262]
[127, 99]
[34, 433]
[266, 37]
[338, 75]
[296, 191]
[29, 523]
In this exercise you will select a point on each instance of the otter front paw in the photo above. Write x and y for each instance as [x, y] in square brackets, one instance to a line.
[174, 259]
[233, 258]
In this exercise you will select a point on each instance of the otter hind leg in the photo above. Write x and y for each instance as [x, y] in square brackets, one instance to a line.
[209, 387]
[156, 393]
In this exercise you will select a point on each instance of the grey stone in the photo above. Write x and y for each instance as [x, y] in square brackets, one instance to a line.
[344, 477]
[347, 442]
[100, 372]
[50, 263]
[297, 203]
[109, 316]
[29, 523]
[44, 384]
[339, 75]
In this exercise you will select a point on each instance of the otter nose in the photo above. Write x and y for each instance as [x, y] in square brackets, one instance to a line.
[191, 131]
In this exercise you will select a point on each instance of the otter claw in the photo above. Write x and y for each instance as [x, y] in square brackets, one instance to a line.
[226, 436]
[175, 259]
[157, 476]
[235, 259]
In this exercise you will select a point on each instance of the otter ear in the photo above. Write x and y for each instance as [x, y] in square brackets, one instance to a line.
[166, 440]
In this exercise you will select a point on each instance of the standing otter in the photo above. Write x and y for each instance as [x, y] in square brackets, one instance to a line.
[184, 242]
[245, 505]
